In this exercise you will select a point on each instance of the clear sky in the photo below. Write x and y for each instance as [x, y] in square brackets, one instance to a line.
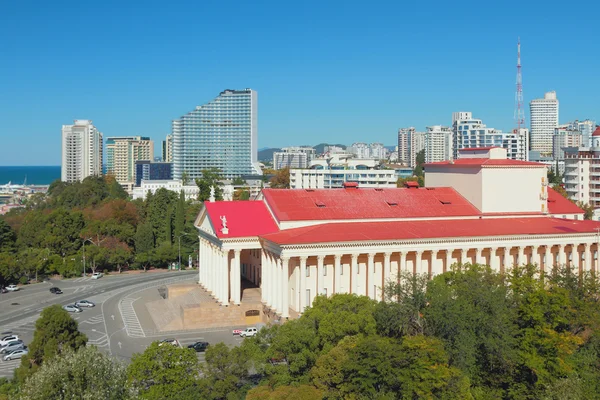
[325, 71]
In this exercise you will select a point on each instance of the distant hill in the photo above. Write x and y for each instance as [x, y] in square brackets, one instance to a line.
[266, 154]
[320, 148]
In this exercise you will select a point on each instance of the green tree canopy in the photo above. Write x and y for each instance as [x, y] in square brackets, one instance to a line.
[211, 178]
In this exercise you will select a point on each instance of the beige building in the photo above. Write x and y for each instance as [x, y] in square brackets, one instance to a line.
[297, 244]
[121, 155]
[81, 151]
[582, 172]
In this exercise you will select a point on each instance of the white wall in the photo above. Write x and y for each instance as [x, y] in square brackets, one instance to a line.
[465, 180]
[512, 190]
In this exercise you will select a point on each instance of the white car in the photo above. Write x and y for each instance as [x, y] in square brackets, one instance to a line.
[72, 308]
[84, 303]
[12, 288]
[249, 332]
[12, 346]
[15, 354]
[8, 338]
[97, 275]
[173, 342]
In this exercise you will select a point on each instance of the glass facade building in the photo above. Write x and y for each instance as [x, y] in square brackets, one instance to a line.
[222, 133]
[152, 171]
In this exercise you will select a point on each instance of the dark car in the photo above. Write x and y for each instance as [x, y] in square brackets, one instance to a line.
[198, 346]
[55, 290]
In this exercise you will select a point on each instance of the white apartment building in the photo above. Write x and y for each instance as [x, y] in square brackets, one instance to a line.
[121, 155]
[410, 143]
[293, 157]
[544, 119]
[175, 185]
[586, 128]
[582, 172]
[375, 151]
[565, 137]
[517, 144]
[333, 150]
[81, 151]
[469, 132]
[438, 143]
[339, 169]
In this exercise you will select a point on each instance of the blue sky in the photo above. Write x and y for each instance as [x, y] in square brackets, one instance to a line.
[324, 70]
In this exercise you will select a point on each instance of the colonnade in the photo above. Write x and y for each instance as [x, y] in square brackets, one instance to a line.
[291, 279]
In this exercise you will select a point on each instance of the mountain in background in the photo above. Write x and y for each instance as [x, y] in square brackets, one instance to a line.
[320, 148]
[266, 154]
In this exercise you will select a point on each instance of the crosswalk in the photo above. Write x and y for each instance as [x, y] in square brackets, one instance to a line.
[98, 319]
[130, 318]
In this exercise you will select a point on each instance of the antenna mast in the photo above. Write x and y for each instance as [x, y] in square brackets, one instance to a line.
[519, 112]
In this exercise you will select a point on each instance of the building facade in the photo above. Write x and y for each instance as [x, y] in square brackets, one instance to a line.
[438, 143]
[175, 185]
[565, 136]
[152, 171]
[293, 157]
[338, 169]
[517, 144]
[469, 132]
[167, 149]
[81, 151]
[121, 155]
[582, 172]
[376, 151]
[544, 119]
[410, 143]
[298, 244]
[222, 134]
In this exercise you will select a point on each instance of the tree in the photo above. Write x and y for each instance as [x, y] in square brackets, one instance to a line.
[237, 181]
[292, 392]
[419, 161]
[588, 210]
[185, 178]
[211, 178]
[7, 237]
[115, 190]
[55, 332]
[83, 374]
[163, 372]
[179, 222]
[144, 238]
[561, 190]
[281, 179]
[226, 371]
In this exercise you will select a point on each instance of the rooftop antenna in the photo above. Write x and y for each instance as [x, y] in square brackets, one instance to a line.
[519, 111]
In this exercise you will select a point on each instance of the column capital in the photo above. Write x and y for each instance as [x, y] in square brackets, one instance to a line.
[419, 252]
[320, 258]
[388, 254]
[338, 256]
[303, 258]
[355, 256]
[237, 252]
[371, 256]
[284, 258]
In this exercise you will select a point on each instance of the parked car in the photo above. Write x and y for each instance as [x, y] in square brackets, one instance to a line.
[249, 332]
[72, 308]
[12, 288]
[3, 290]
[12, 346]
[198, 346]
[173, 342]
[8, 338]
[55, 290]
[84, 303]
[97, 275]
[16, 354]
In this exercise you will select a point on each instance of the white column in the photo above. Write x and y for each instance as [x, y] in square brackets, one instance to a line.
[548, 262]
[225, 276]
[418, 262]
[448, 259]
[461, 253]
[520, 256]
[236, 275]
[319, 280]
[337, 268]
[386, 273]
[402, 267]
[353, 273]
[369, 275]
[264, 284]
[214, 278]
[478, 257]
[562, 258]
[302, 290]
[285, 287]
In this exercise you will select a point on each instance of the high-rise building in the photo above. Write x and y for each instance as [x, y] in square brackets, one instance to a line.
[167, 149]
[582, 172]
[121, 155]
[438, 143]
[469, 132]
[81, 151]
[222, 134]
[293, 157]
[410, 143]
[564, 136]
[544, 118]
[586, 128]
[152, 171]
[517, 144]
[375, 151]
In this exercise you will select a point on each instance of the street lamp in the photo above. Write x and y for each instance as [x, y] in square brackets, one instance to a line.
[85, 240]
[183, 234]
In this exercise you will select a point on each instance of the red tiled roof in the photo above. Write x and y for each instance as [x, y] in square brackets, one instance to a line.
[558, 204]
[244, 218]
[596, 131]
[486, 162]
[406, 230]
[367, 203]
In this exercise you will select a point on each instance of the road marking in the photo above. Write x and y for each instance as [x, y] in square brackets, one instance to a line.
[119, 343]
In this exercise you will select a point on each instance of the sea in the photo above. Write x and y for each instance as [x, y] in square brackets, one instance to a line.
[35, 175]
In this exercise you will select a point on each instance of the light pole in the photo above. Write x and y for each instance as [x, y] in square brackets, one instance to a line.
[179, 237]
[85, 240]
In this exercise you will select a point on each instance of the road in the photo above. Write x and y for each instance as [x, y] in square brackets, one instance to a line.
[113, 325]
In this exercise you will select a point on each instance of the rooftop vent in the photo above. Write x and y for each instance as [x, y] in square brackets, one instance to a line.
[350, 185]
[445, 201]
[319, 204]
[411, 184]
[430, 188]
[310, 190]
[378, 189]
[392, 202]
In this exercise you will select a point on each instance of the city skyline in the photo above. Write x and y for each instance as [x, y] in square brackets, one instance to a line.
[324, 73]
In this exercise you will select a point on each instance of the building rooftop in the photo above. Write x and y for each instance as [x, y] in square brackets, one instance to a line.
[440, 229]
[486, 162]
[558, 204]
[244, 218]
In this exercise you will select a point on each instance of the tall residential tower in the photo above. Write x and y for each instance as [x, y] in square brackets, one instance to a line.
[121, 155]
[222, 133]
[544, 119]
[81, 151]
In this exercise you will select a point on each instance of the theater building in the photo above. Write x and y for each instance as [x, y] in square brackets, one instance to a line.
[296, 244]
